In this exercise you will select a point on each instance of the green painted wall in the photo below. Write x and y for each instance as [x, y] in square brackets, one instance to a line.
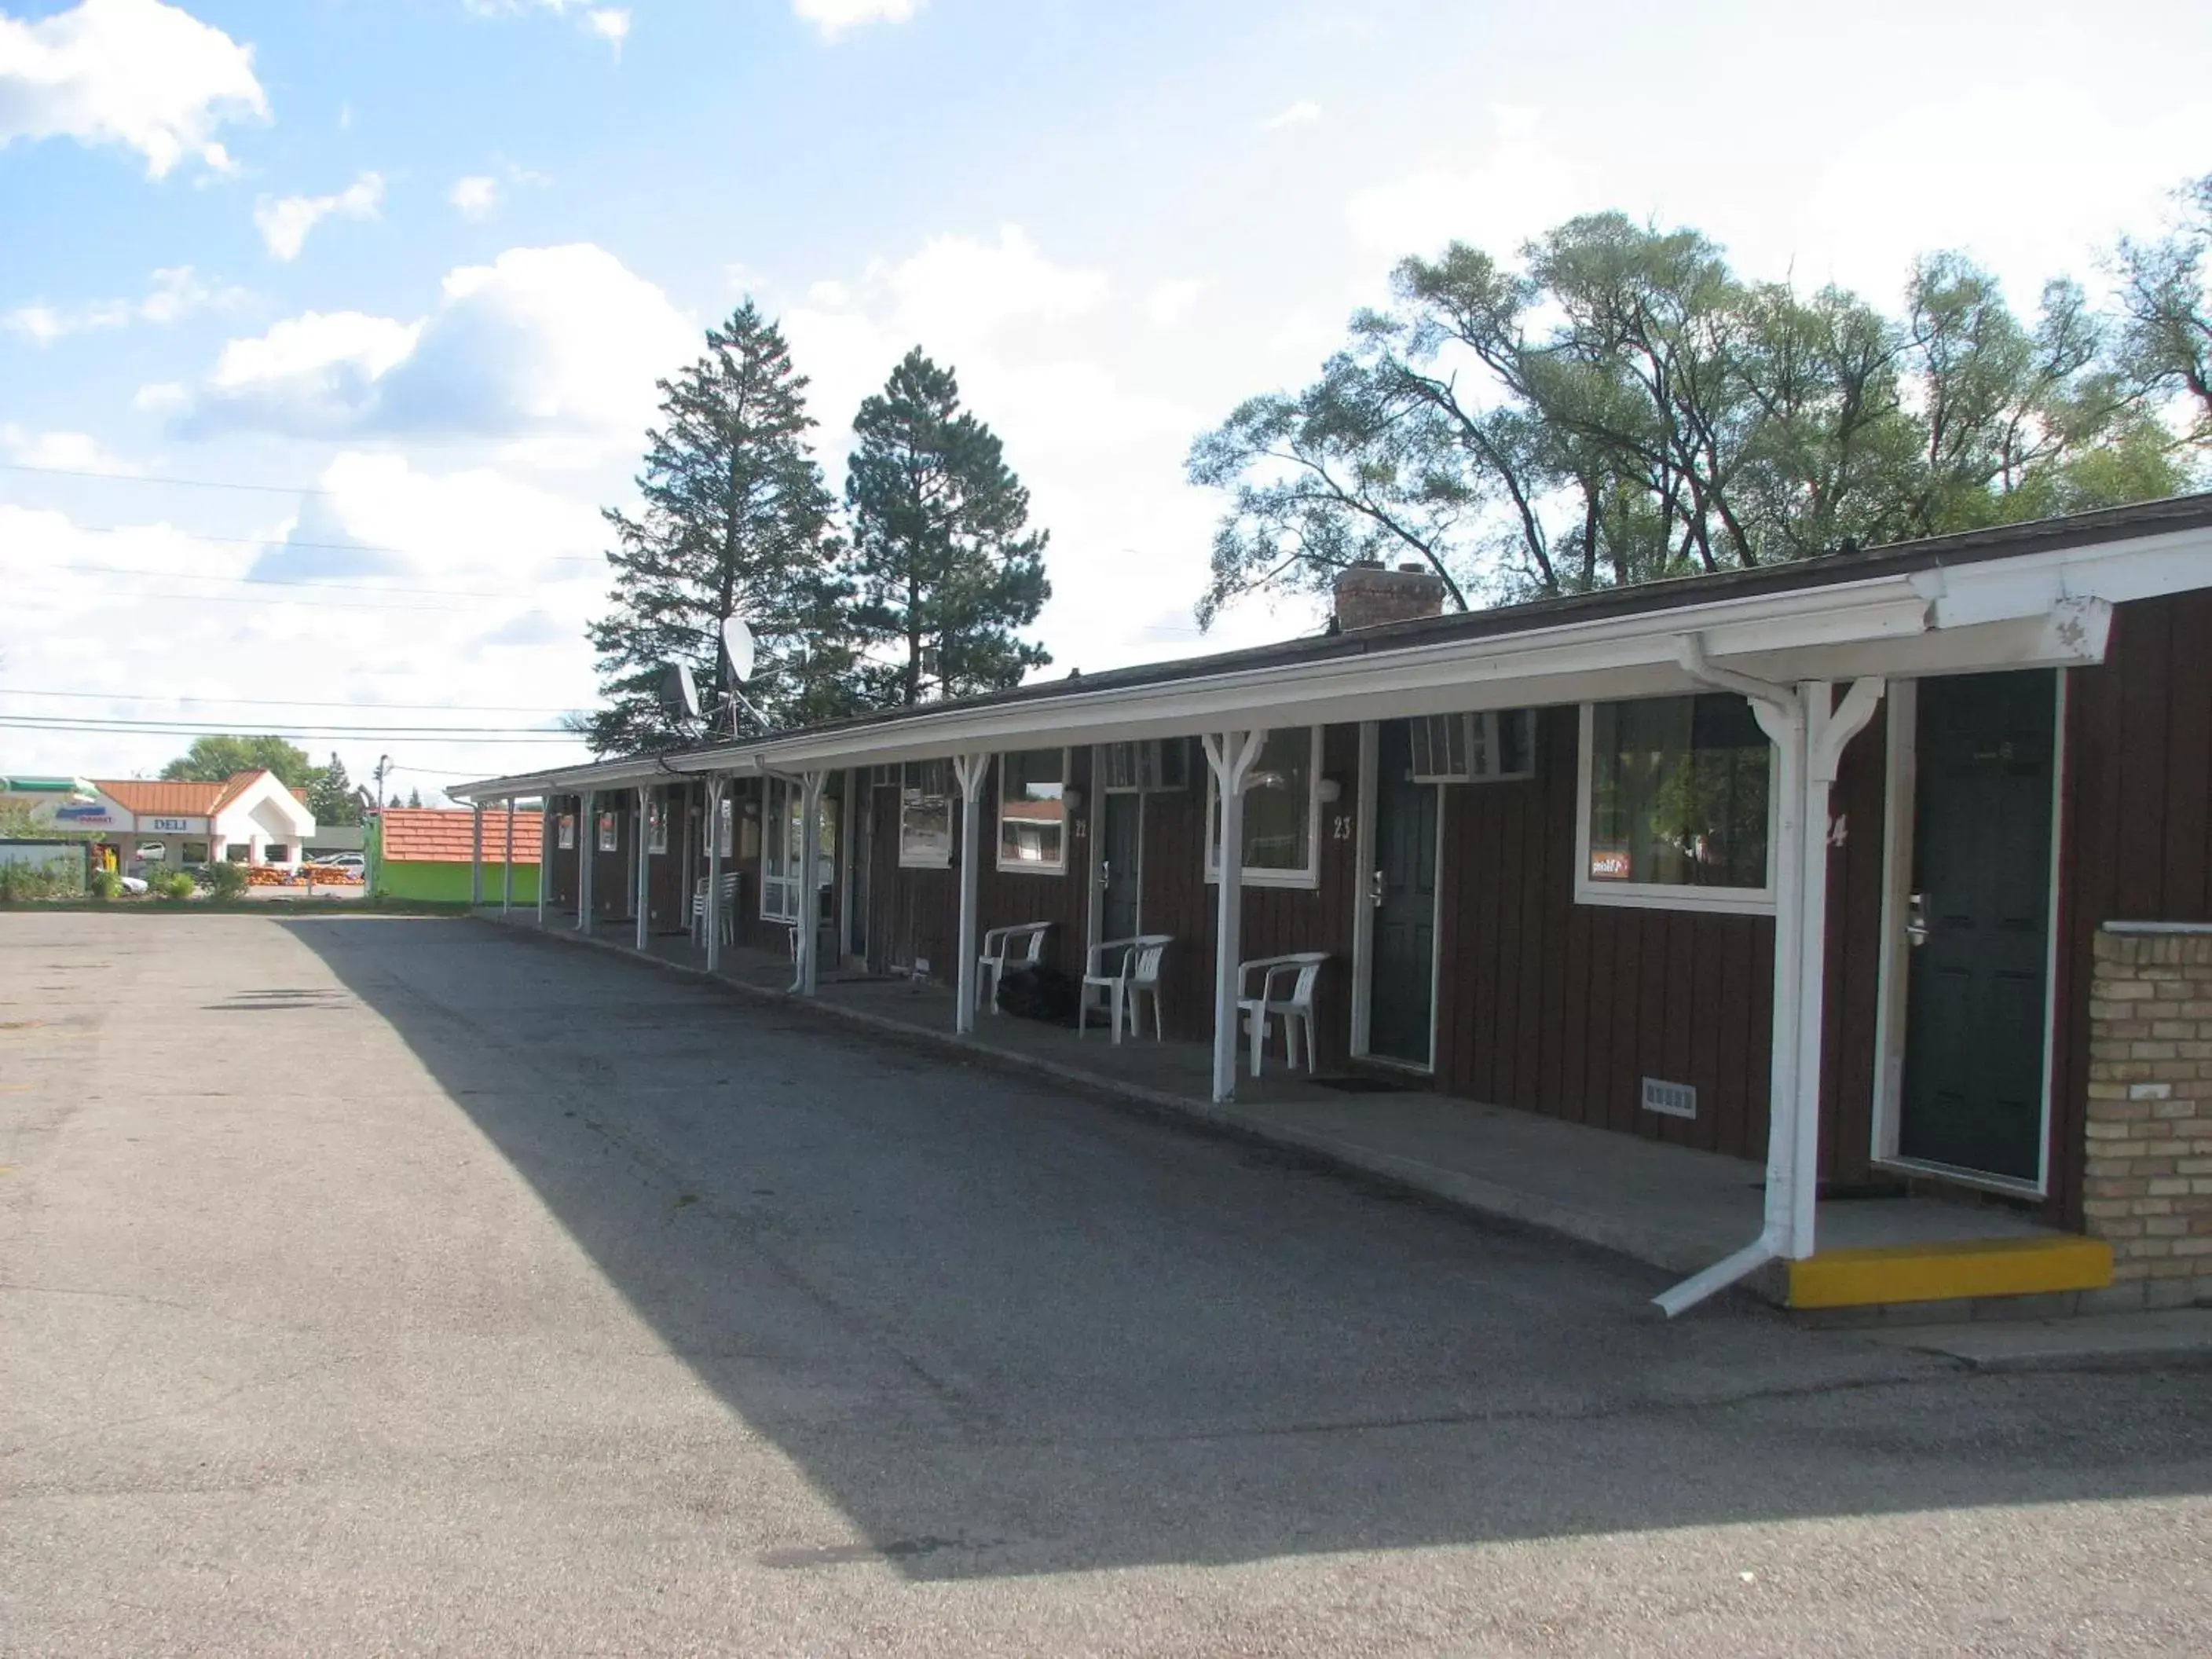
[443, 884]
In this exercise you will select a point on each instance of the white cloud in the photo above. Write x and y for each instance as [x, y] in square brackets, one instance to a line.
[63, 452]
[489, 581]
[474, 196]
[542, 343]
[1167, 303]
[132, 72]
[837, 18]
[284, 223]
[174, 292]
[1296, 114]
[1511, 189]
[611, 24]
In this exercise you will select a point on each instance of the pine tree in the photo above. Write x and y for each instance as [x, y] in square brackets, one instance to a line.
[943, 564]
[330, 796]
[415, 799]
[736, 520]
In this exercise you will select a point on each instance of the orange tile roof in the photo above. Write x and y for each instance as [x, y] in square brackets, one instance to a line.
[444, 835]
[154, 797]
[239, 784]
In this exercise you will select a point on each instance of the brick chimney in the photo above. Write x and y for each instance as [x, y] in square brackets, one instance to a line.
[1367, 594]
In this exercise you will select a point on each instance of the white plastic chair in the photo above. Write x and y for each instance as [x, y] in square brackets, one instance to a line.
[999, 945]
[1302, 969]
[1138, 974]
[721, 913]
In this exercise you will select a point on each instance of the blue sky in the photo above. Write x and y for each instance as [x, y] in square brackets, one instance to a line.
[412, 265]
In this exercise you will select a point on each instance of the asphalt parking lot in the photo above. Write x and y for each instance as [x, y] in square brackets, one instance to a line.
[389, 1283]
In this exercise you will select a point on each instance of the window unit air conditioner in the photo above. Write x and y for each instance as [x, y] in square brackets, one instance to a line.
[1492, 747]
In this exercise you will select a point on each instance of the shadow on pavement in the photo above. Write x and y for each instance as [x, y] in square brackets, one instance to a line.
[1008, 1331]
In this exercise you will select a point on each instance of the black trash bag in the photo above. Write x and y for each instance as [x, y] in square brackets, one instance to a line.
[1040, 992]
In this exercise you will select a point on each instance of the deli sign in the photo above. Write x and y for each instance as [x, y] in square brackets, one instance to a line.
[169, 826]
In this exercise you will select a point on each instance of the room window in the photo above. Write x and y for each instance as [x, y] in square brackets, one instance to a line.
[1492, 747]
[1160, 763]
[1282, 812]
[1677, 804]
[276, 852]
[656, 824]
[1033, 811]
[926, 815]
[609, 834]
[565, 830]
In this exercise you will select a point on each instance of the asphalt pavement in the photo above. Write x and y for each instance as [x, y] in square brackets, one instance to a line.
[409, 1283]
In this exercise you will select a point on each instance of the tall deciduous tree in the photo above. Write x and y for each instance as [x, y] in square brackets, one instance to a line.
[1619, 405]
[214, 759]
[735, 520]
[2166, 295]
[943, 566]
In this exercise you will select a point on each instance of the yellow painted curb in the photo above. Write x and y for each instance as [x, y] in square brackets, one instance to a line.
[1953, 1269]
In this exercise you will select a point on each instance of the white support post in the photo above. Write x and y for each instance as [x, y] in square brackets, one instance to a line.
[1229, 756]
[475, 855]
[545, 854]
[644, 894]
[506, 866]
[808, 905]
[587, 855]
[1809, 734]
[971, 771]
[715, 786]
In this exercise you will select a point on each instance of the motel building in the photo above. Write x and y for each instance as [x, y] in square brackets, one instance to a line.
[1885, 872]
[250, 818]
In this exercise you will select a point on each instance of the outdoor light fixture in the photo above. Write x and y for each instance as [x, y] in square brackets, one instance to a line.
[1330, 792]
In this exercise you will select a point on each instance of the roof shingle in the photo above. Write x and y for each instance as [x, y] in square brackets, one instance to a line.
[439, 835]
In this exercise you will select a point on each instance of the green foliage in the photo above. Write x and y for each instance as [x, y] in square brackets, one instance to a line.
[177, 885]
[227, 881]
[330, 795]
[736, 520]
[2165, 302]
[54, 879]
[1619, 406]
[215, 759]
[943, 566]
[105, 884]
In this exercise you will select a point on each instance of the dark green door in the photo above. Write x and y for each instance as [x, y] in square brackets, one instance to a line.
[1121, 865]
[1402, 982]
[1978, 923]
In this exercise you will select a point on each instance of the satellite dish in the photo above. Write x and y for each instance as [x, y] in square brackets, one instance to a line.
[737, 641]
[679, 697]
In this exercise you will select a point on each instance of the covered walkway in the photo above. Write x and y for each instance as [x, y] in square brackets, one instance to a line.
[1670, 1207]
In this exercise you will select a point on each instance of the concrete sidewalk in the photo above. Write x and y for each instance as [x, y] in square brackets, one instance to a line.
[1670, 1207]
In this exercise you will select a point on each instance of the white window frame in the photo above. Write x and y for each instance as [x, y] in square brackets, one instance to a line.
[779, 877]
[1254, 875]
[1032, 868]
[909, 857]
[1477, 734]
[725, 825]
[1663, 896]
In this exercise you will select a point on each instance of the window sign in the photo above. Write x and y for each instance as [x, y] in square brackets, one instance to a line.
[656, 824]
[565, 830]
[609, 834]
[726, 819]
[926, 815]
[1033, 811]
[1677, 804]
[1282, 812]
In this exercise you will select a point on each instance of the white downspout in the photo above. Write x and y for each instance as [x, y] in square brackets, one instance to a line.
[475, 855]
[544, 852]
[644, 891]
[809, 907]
[1809, 741]
[587, 855]
[507, 867]
[717, 796]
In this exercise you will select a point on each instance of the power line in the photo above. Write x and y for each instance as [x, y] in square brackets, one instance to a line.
[287, 702]
[286, 544]
[287, 581]
[318, 729]
[141, 477]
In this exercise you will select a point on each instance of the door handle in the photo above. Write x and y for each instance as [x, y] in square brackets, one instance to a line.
[1105, 873]
[1916, 928]
[1375, 890]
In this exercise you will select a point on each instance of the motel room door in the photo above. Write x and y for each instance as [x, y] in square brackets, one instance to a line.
[1977, 923]
[1402, 987]
[1120, 862]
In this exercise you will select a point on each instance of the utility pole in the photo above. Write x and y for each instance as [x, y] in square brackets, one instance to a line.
[383, 765]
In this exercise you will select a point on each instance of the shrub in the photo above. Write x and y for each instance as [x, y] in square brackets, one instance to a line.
[178, 885]
[227, 881]
[106, 885]
[61, 878]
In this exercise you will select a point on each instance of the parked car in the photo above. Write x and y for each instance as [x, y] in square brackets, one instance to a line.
[132, 883]
[356, 862]
[152, 853]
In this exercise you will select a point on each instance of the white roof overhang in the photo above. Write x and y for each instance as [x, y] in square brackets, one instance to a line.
[2041, 609]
